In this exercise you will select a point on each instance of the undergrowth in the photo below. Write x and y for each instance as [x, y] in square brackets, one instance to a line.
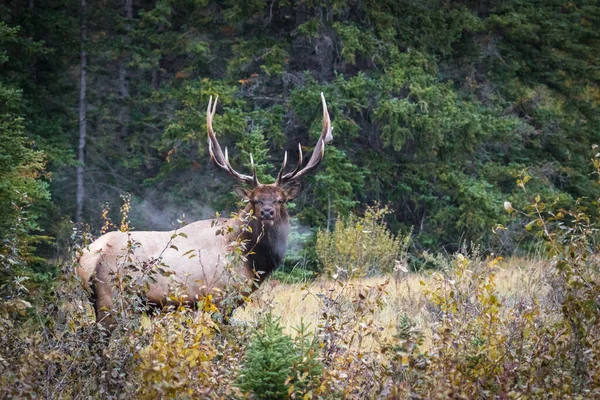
[472, 342]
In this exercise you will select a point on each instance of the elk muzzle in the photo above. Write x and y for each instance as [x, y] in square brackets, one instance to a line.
[267, 213]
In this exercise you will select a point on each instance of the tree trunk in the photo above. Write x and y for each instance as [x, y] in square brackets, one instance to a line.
[328, 210]
[82, 115]
[123, 89]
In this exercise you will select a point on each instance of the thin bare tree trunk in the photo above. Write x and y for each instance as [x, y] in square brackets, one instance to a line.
[328, 210]
[123, 89]
[82, 115]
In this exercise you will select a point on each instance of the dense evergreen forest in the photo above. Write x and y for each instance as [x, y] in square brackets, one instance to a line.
[438, 108]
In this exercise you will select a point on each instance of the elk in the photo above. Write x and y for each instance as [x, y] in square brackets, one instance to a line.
[196, 255]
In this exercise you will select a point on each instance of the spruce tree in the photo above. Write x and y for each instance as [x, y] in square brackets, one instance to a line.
[268, 365]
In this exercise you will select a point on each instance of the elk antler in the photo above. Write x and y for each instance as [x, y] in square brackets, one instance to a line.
[216, 154]
[317, 154]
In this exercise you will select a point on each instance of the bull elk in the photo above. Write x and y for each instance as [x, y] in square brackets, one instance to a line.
[264, 239]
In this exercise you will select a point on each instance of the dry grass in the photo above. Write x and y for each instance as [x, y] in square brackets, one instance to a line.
[518, 280]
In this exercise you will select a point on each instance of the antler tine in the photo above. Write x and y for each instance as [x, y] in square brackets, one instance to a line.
[281, 178]
[299, 156]
[327, 128]
[283, 165]
[300, 161]
[284, 162]
[216, 154]
[318, 152]
[214, 109]
[254, 176]
[212, 156]
[212, 140]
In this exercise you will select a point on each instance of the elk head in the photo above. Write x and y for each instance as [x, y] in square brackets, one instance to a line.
[268, 201]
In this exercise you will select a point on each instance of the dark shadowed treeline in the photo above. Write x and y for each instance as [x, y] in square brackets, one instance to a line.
[438, 107]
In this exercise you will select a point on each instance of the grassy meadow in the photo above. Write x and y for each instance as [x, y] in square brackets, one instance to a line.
[518, 280]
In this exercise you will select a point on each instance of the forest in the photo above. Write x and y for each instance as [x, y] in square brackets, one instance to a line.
[446, 247]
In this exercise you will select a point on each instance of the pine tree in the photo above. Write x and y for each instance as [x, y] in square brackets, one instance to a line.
[23, 190]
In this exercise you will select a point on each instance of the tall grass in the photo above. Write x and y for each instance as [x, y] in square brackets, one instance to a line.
[518, 279]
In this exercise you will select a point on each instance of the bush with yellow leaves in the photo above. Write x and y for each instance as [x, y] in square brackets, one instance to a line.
[177, 361]
[360, 246]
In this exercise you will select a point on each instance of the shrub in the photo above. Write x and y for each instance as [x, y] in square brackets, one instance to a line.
[473, 343]
[177, 362]
[351, 340]
[54, 349]
[571, 239]
[276, 366]
[360, 246]
[484, 346]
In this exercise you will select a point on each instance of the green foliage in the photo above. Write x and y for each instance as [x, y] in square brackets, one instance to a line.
[256, 57]
[23, 191]
[423, 96]
[360, 246]
[276, 366]
[354, 41]
[295, 275]
[309, 368]
[21, 167]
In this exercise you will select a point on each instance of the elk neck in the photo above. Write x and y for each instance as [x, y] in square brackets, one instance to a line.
[266, 245]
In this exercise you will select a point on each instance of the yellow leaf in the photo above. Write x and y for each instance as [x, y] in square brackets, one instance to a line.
[405, 361]
[529, 225]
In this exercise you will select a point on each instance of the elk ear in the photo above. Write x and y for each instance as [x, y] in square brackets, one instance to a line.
[242, 192]
[292, 190]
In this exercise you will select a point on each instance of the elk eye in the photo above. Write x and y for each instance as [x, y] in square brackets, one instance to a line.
[280, 201]
[255, 202]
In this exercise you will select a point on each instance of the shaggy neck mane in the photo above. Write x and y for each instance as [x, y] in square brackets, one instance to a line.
[266, 245]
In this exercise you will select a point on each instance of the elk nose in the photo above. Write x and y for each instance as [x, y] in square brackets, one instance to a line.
[267, 213]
